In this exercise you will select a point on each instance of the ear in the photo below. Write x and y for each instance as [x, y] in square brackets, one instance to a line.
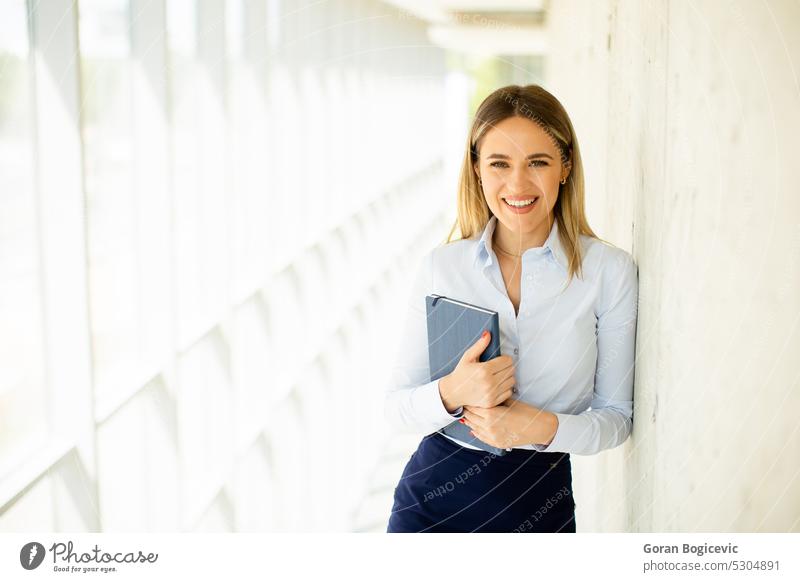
[477, 171]
[568, 168]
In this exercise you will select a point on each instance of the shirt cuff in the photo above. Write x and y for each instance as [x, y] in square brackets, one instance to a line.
[458, 411]
[566, 433]
[428, 403]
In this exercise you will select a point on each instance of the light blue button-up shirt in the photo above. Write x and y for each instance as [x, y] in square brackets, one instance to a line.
[573, 349]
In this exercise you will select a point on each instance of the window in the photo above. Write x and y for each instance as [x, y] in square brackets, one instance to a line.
[22, 384]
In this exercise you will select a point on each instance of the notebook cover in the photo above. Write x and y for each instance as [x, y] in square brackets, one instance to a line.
[453, 326]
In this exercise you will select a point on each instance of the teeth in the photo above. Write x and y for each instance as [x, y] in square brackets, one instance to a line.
[519, 204]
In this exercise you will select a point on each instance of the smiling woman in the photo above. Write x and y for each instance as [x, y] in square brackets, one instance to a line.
[521, 217]
[515, 183]
[523, 148]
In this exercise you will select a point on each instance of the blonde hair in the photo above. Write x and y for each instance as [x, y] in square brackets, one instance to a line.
[534, 103]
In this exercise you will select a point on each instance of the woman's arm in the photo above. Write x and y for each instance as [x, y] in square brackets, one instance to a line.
[412, 402]
[609, 421]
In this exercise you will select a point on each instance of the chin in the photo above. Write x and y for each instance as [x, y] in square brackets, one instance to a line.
[523, 222]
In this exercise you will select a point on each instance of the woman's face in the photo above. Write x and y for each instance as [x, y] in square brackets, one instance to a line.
[518, 161]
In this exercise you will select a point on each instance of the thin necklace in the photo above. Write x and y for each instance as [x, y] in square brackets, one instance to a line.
[505, 252]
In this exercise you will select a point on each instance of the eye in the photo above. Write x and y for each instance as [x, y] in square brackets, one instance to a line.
[534, 163]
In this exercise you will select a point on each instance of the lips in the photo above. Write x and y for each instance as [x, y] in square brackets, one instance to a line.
[521, 199]
[525, 208]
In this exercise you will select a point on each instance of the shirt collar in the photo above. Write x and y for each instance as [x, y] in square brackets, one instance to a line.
[552, 245]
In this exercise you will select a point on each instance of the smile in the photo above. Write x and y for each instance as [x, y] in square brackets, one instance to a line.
[522, 205]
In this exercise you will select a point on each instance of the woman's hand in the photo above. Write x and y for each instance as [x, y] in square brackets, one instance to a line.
[477, 383]
[511, 423]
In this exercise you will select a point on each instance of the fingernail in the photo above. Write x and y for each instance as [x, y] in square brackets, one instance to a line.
[461, 420]
[484, 334]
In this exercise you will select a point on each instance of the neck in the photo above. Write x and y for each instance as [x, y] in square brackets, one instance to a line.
[516, 243]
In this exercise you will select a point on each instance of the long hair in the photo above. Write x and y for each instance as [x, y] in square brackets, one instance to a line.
[534, 103]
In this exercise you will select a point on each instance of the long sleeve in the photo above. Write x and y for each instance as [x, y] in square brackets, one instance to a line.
[412, 402]
[609, 420]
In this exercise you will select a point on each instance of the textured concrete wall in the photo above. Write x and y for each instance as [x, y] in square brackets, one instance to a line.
[688, 115]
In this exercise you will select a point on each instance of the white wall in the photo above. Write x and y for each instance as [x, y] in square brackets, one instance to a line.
[688, 115]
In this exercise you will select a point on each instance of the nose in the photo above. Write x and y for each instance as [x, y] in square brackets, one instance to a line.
[520, 180]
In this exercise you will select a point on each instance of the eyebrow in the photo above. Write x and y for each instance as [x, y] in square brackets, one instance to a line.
[530, 157]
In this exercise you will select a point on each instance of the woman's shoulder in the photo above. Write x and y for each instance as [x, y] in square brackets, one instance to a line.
[608, 265]
[604, 254]
[449, 261]
[616, 274]
[452, 253]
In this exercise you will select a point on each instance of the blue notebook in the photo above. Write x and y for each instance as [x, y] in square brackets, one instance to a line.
[453, 326]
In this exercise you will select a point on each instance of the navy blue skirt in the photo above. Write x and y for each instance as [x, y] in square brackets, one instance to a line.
[449, 488]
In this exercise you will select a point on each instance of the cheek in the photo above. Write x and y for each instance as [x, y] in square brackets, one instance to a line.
[547, 181]
[491, 195]
[550, 197]
[492, 184]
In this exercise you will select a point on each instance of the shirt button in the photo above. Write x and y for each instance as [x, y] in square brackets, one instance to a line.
[527, 313]
[516, 351]
[530, 277]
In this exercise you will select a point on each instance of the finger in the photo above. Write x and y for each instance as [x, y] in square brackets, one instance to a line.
[476, 411]
[497, 365]
[506, 374]
[500, 394]
[507, 384]
[474, 352]
[506, 398]
[473, 420]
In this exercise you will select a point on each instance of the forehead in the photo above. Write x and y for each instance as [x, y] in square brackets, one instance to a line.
[516, 136]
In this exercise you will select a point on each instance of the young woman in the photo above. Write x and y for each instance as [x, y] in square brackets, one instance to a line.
[567, 303]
